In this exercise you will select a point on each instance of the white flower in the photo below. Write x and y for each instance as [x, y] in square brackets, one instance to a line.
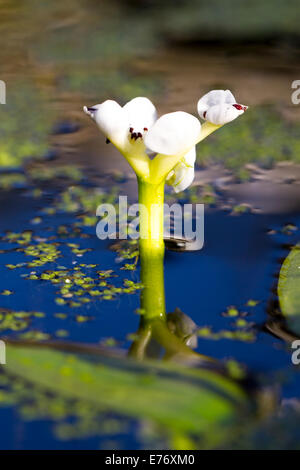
[219, 107]
[124, 126]
[136, 124]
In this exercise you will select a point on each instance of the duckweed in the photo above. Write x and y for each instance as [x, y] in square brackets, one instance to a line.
[34, 335]
[204, 194]
[240, 335]
[46, 173]
[127, 250]
[13, 180]
[252, 303]
[22, 238]
[76, 288]
[43, 252]
[78, 198]
[231, 312]
[6, 292]
[243, 330]
[16, 320]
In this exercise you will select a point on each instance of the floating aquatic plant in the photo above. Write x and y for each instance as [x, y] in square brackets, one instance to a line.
[288, 289]
[76, 288]
[16, 320]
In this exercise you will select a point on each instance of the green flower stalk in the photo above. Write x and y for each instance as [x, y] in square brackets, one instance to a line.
[159, 150]
[151, 247]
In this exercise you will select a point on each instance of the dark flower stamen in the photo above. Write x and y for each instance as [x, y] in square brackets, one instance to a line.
[135, 135]
[240, 107]
[107, 141]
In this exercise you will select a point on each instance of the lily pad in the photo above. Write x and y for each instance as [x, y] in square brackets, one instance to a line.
[289, 289]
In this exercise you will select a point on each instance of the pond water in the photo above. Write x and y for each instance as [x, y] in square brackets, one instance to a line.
[63, 287]
[238, 264]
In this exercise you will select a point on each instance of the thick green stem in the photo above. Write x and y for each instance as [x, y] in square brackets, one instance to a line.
[153, 321]
[151, 200]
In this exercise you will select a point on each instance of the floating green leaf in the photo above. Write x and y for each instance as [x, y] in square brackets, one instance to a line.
[289, 289]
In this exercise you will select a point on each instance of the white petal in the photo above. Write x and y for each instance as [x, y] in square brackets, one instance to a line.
[214, 98]
[223, 113]
[219, 107]
[91, 111]
[141, 113]
[112, 121]
[190, 157]
[173, 133]
[182, 176]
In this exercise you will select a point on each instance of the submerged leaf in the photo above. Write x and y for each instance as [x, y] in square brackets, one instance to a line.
[180, 400]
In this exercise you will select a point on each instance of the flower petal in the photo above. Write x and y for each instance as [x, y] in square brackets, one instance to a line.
[173, 133]
[190, 158]
[141, 114]
[222, 114]
[213, 98]
[182, 176]
[219, 107]
[112, 121]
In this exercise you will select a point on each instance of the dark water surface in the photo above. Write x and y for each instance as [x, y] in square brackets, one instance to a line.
[239, 262]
